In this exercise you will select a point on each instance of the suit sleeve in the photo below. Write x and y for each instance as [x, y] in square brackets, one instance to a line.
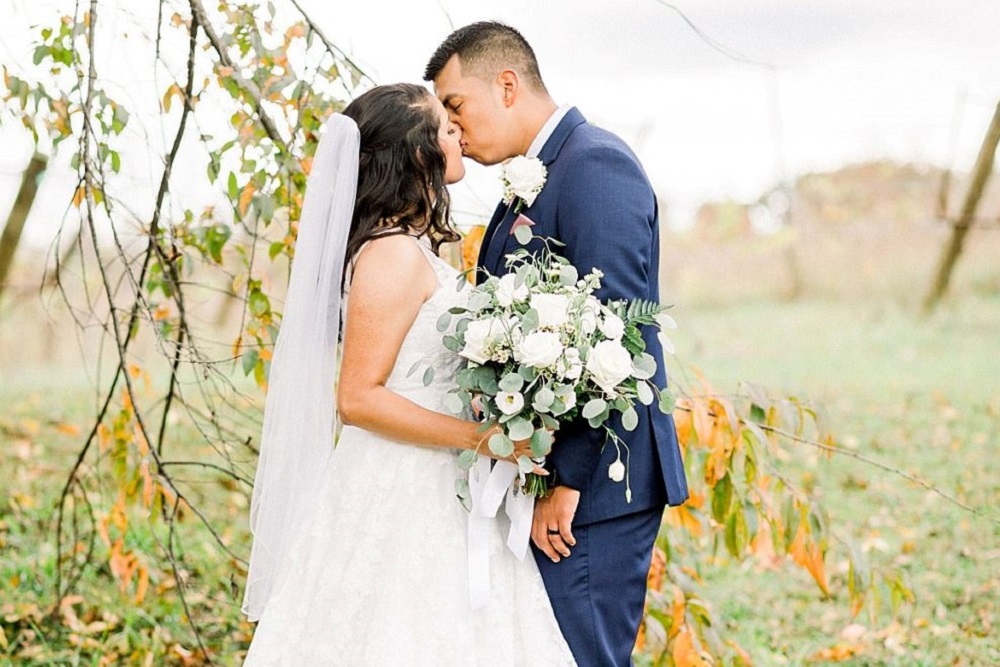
[606, 218]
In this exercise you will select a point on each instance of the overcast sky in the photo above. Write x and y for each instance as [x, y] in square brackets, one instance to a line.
[848, 80]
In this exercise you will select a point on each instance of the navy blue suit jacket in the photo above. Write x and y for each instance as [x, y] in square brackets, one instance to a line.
[598, 201]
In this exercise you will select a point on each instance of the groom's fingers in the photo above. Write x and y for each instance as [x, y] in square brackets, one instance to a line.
[558, 543]
[541, 539]
[566, 533]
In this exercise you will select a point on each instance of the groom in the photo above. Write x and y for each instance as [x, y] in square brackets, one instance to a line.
[592, 545]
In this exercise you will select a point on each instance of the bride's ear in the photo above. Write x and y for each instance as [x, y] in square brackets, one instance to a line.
[511, 86]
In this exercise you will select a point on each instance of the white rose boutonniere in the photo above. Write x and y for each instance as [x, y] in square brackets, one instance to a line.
[523, 178]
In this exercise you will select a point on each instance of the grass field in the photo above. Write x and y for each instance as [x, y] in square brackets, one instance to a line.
[921, 395]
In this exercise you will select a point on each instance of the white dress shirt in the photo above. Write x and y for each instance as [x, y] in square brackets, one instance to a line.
[550, 126]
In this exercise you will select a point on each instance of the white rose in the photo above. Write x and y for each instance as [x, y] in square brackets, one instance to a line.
[612, 326]
[552, 309]
[479, 335]
[540, 349]
[609, 363]
[510, 403]
[508, 293]
[523, 177]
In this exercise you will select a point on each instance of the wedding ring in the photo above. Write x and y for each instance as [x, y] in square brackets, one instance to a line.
[553, 532]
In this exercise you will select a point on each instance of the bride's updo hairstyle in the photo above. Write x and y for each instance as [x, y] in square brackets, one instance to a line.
[401, 177]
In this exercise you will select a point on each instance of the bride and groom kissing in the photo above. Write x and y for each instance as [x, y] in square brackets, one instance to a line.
[361, 552]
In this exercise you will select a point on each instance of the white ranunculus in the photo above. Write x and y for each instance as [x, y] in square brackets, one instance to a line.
[508, 293]
[609, 363]
[540, 349]
[510, 402]
[479, 335]
[552, 309]
[612, 326]
[523, 177]
[616, 471]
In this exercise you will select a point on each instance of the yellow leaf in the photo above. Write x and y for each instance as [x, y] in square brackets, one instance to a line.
[168, 96]
[78, 196]
[246, 197]
[471, 243]
[147, 484]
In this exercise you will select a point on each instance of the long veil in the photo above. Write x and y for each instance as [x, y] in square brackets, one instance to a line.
[299, 411]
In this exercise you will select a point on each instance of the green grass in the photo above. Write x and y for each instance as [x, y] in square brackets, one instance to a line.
[921, 395]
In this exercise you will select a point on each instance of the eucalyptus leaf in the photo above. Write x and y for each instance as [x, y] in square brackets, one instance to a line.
[520, 429]
[594, 407]
[443, 322]
[525, 464]
[453, 403]
[501, 445]
[428, 376]
[467, 459]
[643, 366]
[667, 402]
[511, 382]
[645, 392]
[523, 234]
[541, 442]
[630, 419]
[544, 397]
[568, 275]
[529, 322]
[453, 343]
[413, 368]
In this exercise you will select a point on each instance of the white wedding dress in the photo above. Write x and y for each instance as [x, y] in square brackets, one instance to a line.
[378, 575]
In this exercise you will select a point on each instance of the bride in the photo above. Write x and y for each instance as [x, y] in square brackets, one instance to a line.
[360, 553]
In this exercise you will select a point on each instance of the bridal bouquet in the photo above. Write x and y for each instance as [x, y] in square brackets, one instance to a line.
[543, 350]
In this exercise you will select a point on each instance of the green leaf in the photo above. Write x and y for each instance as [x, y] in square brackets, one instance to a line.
[529, 322]
[645, 392]
[116, 161]
[452, 343]
[594, 407]
[414, 367]
[275, 249]
[630, 419]
[644, 366]
[541, 442]
[259, 303]
[520, 428]
[543, 399]
[250, 360]
[443, 322]
[428, 376]
[467, 459]
[501, 445]
[512, 382]
[736, 534]
[667, 401]
[234, 188]
[523, 234]
[452, 403]
[722, 498]
[525, 464]
[568, 275]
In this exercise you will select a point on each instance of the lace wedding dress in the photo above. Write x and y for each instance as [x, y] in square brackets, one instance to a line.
[379, 574]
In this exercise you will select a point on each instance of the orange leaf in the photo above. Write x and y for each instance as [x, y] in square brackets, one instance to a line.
[68, 429]
[684, 652]
[78, 196]
[683, 420]
[143, 585]
[168, 96]
[471, 243]
[246, 197]
[147, 484]
[682, 517]
[810, 556]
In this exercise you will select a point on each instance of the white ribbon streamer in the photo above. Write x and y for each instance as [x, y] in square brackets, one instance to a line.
[488, 489]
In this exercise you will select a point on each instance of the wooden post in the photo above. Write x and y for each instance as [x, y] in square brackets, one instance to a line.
[980, 175]
[19, 214]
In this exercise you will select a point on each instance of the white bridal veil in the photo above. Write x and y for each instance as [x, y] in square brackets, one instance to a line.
[299, 411]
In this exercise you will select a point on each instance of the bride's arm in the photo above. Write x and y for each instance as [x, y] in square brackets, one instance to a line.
[391, 281]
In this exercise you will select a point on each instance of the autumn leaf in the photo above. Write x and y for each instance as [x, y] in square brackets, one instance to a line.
[684, 652]
[810, 556]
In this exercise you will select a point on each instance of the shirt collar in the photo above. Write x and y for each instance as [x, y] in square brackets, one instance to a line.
[547, 129]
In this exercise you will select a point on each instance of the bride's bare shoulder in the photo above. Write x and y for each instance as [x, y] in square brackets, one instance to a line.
[395, 255]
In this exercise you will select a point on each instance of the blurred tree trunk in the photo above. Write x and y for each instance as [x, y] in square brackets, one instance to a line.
[980, 174]
[19, 214]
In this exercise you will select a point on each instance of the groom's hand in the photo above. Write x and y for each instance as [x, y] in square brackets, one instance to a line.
[551, 529]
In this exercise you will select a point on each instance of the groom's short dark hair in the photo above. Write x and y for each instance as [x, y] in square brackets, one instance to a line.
[485, 49]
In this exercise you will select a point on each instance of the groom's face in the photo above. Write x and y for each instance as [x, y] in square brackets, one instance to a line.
[478, 107]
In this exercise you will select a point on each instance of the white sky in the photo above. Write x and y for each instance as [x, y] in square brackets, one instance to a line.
[852, 80]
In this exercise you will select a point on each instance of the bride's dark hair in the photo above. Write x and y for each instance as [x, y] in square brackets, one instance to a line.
[401, 177]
